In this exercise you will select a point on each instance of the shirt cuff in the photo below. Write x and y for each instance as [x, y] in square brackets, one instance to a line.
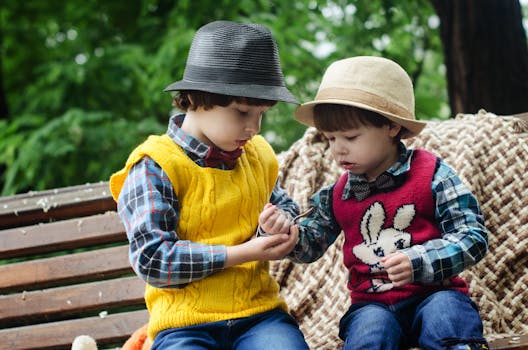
[415, 256]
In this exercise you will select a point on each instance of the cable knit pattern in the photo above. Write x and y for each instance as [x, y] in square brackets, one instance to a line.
[218, 207]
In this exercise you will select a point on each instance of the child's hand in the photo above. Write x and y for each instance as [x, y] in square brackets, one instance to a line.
[273, 220]
[274, 247]
[398, 267]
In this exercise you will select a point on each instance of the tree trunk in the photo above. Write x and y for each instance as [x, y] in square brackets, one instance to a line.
[486, 55]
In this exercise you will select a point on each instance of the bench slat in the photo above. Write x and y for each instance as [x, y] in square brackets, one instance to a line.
[112, 329]
[66, 269]
[63, 203]
[510, 342]
[62, 235]
[64, 302]
[65, 261]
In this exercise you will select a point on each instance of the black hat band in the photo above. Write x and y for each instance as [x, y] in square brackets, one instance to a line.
[231, 76]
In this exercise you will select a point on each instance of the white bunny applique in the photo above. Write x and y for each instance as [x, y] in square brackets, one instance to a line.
[379, 242]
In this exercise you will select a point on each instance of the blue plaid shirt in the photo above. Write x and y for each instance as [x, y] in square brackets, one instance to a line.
[457, 212]
[150, 211]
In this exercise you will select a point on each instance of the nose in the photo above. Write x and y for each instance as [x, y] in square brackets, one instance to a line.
[253, 125]
[338, 147]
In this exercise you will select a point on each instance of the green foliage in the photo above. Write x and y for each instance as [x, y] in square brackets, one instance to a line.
[83, 80]
[73, 148]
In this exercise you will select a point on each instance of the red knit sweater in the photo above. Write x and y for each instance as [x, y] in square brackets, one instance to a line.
[384, 223]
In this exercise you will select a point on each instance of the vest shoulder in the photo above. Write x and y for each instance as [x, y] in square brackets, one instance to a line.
[260, 143]
[420, 153]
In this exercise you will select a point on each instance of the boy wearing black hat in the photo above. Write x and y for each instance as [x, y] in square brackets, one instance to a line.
[190, 201]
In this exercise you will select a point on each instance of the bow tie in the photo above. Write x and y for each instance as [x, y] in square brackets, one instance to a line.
[216, 157]
[383, 183]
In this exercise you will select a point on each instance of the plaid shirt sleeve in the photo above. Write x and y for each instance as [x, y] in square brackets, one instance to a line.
[280, 198]
[318, 231]
[464, 239]
[148, 207]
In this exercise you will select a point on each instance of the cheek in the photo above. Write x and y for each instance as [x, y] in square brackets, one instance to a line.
[221, 126]
[363, 148]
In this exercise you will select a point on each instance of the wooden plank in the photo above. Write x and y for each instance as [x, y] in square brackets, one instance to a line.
[510, 342]
[49, 198]
[62, 203]
[112, 329]
[63, 302]
[66, 269]
[62, 235]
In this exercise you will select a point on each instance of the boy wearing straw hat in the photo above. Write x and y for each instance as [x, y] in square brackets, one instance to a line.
[190, 201]
[410, 224]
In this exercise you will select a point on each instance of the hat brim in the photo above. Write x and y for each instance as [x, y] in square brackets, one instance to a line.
[304, 114]
[265, 92]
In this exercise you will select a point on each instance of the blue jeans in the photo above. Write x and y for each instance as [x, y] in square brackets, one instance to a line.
[446, 320]
[274, 329]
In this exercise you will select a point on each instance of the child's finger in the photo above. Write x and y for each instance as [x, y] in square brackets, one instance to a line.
[267, 212]
[276, 240]
[280, 224]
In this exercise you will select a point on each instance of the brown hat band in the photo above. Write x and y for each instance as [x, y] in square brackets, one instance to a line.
[352, 96]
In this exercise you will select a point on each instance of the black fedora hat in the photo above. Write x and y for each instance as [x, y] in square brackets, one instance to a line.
[234, 59]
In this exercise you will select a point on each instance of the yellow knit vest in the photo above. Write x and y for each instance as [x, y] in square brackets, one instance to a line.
[217, 207]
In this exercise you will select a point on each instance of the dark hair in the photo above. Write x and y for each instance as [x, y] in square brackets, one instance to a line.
[192, 99]
[336, 117]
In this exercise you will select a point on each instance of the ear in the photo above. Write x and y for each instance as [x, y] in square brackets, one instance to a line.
[394, 129]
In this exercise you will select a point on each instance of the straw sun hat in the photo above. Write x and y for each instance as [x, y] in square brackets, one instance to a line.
[373, 83]
[234, 59]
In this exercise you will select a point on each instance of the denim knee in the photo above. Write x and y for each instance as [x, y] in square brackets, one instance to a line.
[447, 320]
[274, 329]
[370, 326]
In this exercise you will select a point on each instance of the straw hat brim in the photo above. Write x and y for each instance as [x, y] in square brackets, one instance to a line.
[304, 114]
[265, 92]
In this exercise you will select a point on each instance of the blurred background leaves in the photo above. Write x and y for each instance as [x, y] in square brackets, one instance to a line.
[81, 81]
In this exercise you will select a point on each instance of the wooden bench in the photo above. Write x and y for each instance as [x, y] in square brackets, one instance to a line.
[64, 270]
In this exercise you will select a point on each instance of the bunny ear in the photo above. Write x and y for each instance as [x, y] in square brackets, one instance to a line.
[372, 222]
[404, 216]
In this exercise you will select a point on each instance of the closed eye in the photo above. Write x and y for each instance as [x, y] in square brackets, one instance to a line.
[248, 113]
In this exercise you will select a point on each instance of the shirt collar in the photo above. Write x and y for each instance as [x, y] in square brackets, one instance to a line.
[400, 167]
[189, 143]
[199, 152]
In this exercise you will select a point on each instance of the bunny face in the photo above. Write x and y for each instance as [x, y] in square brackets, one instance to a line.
[379, 242]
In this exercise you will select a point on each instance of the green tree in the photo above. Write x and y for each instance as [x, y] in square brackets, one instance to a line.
[81, 81]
